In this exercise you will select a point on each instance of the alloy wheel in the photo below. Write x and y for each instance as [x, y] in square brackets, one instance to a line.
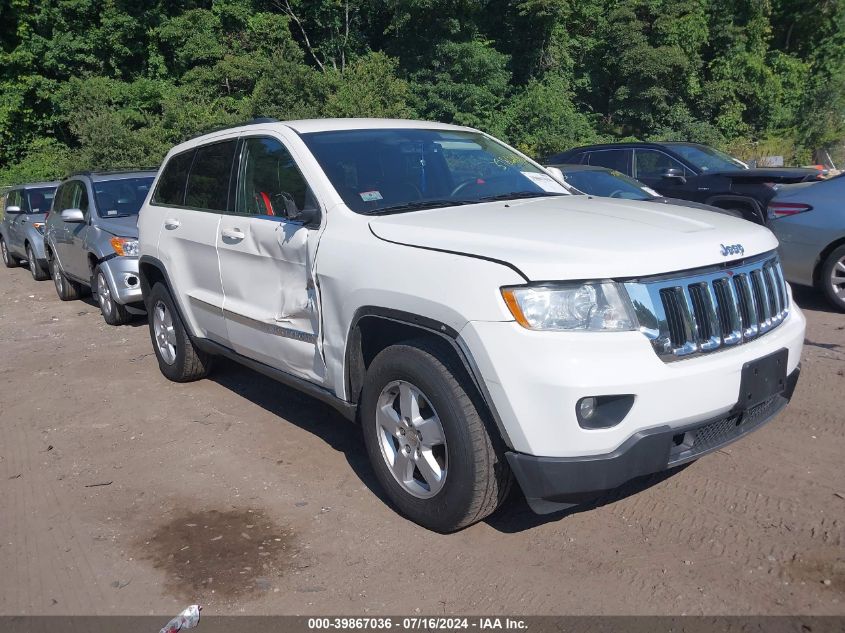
[104, 294]
[837, 278]
[165, 334]
[57, 276]
[411, 439]
[30, 258]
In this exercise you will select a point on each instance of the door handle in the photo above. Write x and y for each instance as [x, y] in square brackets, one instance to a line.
[172, 224]
[233, 234]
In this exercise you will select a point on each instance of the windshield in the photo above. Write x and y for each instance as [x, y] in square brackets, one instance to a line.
[121, 197]
[39, 199]
[610, 184]
[708, 159]
[386, 171]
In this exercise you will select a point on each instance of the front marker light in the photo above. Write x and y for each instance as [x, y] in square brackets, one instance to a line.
[39, 226]
[592, 307]
[124, 246]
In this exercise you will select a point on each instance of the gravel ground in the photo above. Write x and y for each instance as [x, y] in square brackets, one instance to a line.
[121, 492]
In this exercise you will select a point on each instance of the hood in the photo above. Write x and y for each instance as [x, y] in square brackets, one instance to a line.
[122, 227]
[771, 174]
[578, 237]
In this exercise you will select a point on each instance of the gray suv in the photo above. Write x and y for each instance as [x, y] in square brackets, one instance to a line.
[23, 210]
[92, 240]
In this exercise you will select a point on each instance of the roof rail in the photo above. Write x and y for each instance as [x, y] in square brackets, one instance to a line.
[109, 172]
[256, 121]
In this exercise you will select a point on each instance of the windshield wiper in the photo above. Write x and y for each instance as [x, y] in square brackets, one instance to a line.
[416, 206]
[517, 195]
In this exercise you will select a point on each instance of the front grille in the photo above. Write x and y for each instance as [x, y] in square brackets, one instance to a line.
[697, 313]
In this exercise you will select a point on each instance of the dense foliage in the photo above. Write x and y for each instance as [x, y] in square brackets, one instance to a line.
[114, 83]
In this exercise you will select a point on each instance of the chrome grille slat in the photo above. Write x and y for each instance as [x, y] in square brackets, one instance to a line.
[761, 297]
[701, 312]
[730, 307]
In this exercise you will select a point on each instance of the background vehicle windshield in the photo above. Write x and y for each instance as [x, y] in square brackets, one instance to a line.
[405, 169]
[39, 199]
[121, 197]
[610, 184]
[707, 158]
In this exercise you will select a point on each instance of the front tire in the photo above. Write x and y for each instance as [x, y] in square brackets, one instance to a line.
[833, 278]
[66, 289]
[114, 313]
[9, 260]
[436, 455]
[178, 358]
[35, 268]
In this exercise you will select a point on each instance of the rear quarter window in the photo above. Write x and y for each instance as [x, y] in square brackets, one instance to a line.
[174, 178]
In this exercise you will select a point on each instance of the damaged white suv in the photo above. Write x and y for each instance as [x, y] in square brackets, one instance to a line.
[482, 323]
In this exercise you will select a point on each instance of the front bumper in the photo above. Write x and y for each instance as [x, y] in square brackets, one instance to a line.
[555, 483]
[122, 276]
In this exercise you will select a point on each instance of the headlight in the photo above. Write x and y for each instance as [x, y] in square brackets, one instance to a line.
[597, 306]
[124, 246]
[39, 226]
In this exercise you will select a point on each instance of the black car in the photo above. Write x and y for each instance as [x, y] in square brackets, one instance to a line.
[692, 172]
[609, 183]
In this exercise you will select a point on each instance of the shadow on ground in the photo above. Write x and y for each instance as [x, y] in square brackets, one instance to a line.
[345, 437]
[812, 299]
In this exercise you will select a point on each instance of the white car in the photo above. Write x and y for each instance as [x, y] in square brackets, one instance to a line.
[480, 322]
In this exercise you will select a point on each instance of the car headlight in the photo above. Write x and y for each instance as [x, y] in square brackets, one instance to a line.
[124, 246]
[595, 306]
[39, 226]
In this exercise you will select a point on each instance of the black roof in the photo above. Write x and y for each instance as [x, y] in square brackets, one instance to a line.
[625, 145]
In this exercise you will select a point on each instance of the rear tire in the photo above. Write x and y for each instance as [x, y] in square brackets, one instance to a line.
[178, 358]
[8, 259]
[35, 268]
[66, 289]
[114, 313]
[470, 474]
[833, 278]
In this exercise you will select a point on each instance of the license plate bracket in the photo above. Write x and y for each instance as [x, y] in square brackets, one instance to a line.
[762, 378]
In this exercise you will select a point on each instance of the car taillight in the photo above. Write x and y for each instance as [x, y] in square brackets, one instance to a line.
[784, 209]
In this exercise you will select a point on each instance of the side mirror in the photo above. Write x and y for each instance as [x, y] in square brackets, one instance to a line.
[308, 217]
[13, 209]
[674, 174]
[73, 216]
[556, 173]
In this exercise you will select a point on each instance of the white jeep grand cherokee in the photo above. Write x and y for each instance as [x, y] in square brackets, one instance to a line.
[480, 321]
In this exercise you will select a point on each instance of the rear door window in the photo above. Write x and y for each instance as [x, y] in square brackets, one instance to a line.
[174, 178]
[617, 159]
[208, 182]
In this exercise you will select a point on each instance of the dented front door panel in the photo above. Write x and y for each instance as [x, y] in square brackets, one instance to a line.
[270, 299]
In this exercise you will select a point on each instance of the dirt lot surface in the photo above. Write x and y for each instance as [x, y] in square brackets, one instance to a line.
[121, 492]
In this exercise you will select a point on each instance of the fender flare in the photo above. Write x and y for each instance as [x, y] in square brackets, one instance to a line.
[744, 200]
[352, 361]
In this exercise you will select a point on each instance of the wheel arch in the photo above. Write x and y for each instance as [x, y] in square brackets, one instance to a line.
[823, 255]
[374, 328]
[729, 201]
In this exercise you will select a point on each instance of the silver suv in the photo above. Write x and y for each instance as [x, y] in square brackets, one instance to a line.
[24, 209]
[92, 239]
